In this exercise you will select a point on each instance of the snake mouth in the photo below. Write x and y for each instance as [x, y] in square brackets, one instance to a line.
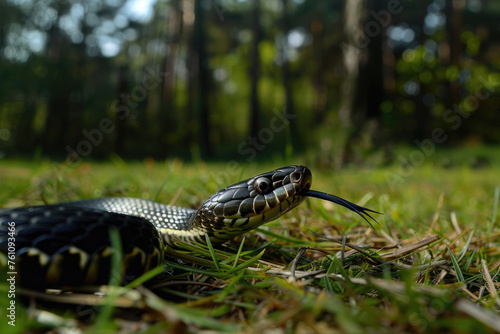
[362, 211]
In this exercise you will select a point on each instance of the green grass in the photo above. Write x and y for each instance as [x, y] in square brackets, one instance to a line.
[297, 274]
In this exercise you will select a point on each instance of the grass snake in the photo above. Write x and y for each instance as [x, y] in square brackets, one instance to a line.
[69, 244]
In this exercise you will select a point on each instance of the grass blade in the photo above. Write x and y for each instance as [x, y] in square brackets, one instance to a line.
[456, 266]
[247, 263]
[466, 246]
[239, 252]
[495, 208]
[212, 252]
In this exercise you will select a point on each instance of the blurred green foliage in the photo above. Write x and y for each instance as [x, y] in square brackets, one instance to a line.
[67, 65]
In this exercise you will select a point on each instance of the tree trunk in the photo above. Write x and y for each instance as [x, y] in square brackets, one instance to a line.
[454, 11]
[203, 81]
[56, 121]
[255, 70]
[121, 112]
[318, 82]
[423, 114]
[363, 87]
[285, 71]
[354, 55]
[167, 115]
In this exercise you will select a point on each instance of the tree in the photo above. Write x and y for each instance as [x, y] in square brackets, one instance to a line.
[363, 87]
[255, 70]
[285, 72]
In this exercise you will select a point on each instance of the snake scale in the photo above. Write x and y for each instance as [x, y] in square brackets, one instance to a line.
[69, 244]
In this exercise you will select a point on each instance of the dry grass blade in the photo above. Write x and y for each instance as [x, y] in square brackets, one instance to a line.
[401, 287]
[388, 237]
[454, 221]
[487, 317]
[396, 253]
[470, 294]
[489, 282]
[362, 250]
[300, 253]
[494, 265]
[438, 211]
[129, 299]
[288, 273]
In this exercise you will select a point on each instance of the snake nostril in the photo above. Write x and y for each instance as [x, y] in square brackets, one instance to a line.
[296, 177]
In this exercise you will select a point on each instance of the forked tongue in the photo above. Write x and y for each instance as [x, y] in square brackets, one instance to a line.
[337, 200]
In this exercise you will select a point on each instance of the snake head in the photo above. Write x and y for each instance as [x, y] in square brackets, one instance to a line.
[248, 204]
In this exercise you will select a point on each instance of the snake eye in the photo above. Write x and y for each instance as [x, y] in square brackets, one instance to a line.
[262, 185]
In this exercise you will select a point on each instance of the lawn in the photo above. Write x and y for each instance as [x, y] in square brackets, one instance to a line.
[430, 265]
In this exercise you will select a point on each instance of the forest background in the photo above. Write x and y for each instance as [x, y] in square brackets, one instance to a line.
[338, 81]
